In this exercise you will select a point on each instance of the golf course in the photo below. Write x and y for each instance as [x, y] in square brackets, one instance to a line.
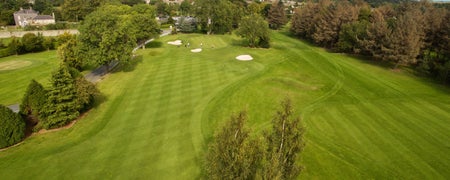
[156, 116]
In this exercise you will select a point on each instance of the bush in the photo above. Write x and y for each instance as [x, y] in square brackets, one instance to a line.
[12, 127]
[33, 100]
[33, 43]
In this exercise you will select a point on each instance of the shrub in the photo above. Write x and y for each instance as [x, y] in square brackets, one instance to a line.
[12, 127]
[33, 100]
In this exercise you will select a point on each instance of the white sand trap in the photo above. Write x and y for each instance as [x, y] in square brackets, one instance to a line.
[176, 42]
[244, 58]
[196, 50]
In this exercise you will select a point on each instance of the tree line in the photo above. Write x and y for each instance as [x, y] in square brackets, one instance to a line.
[238, 153]
[413, 34]
[31, 43]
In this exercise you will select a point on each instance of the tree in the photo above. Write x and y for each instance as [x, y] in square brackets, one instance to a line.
[43, 6]
[69, 54]
[255, 29]
[350, 34]
[378, 34]
[406, 39]
[277, 17]
[12, 127]
[216, 16]
[255, 8]
[144, 22]
[232, 154]
[185, 8]
[304, 19]
[85, 90]
[333, 15]
[284, 143]
[34, 100]
[76, 10]
[61, 106]
[107, 35]
[15, 47]
[187, 24]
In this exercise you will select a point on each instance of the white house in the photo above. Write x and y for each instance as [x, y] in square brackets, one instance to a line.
[25, 17]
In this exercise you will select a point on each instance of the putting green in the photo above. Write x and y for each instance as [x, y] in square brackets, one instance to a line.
[11, 65]
[156, 117]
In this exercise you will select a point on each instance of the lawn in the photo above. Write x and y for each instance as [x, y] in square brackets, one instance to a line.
[16, 73]
[156, 117]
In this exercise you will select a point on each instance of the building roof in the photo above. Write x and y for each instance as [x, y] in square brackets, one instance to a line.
[43, 17]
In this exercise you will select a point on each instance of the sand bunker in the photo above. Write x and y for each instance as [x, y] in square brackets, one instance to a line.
[196, 50]
[10, 65]
[244, 58]
[176, 42]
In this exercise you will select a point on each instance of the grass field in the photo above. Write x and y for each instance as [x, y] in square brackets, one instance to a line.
[363, 121]
[17, 71]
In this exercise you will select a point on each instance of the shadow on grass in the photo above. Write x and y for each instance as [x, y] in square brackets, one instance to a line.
[154, 44]
[130, 65]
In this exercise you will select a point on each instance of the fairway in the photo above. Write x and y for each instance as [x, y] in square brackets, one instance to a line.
[156, 117]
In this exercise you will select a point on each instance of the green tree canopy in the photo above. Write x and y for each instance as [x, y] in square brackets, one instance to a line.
[12, 127]
[61, 106]
[108, 35]
[216, 16]
[144, 22]
[255, 29]
[69, 54]
[34, 99]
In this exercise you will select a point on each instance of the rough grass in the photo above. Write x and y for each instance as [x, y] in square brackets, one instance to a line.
[16, 73]
[155, 119]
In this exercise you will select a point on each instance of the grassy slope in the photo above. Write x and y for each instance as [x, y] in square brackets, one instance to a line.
[363, 121]
[13, 83]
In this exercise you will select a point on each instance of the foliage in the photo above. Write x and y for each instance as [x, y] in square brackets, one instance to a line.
[49, 43]
[144, 22]
[107, 35]
[34, 100]
[77, 10]
[185, 8]
[277, 17]
[64, 38]
[85, 90]
[216, 16]
[43, 6]
[33, 43]
[8, 7]
[285, 142]
[61, 106]
[69, 54]
[12, 127]
[255, 29]
[405, 34]
[232, 154]
[187, 24]
[15, 47]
